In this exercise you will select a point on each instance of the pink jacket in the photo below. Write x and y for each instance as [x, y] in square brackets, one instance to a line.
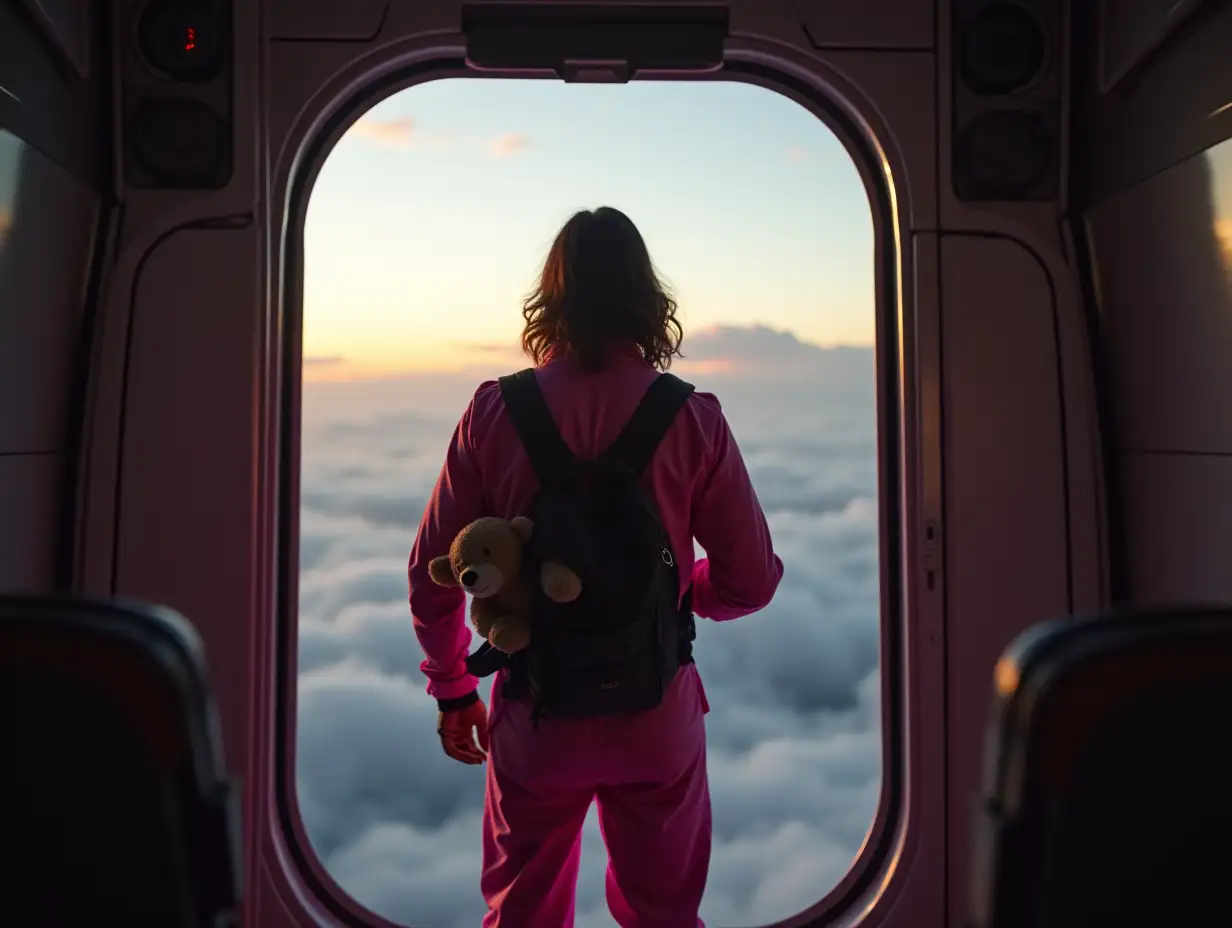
[698, 478]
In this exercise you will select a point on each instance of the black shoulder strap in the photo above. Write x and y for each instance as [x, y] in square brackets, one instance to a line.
[548, 453]
[637, 441]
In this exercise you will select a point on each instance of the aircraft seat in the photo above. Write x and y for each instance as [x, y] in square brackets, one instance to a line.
[1108, 775]
[113, 804]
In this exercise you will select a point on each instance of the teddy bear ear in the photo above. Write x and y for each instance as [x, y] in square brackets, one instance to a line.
[441, 571]
[522, 527]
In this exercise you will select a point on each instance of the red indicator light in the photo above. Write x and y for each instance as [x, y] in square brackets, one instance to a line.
[190, 40]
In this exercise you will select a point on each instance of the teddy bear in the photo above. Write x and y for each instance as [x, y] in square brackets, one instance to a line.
[485, 560]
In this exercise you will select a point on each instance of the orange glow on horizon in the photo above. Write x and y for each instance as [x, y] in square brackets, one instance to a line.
[1223, 232]
[342, 370]
[373, 360]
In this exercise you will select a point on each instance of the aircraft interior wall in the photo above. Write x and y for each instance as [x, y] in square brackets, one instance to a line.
[1156, 203]
[53, 189]
[178, 476]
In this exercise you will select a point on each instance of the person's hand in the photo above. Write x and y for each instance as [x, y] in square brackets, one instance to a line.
[459, 729]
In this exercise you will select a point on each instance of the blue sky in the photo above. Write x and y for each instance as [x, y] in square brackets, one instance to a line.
[431, 217]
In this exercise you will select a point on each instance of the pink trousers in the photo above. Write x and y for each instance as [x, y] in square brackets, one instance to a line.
[648, 773]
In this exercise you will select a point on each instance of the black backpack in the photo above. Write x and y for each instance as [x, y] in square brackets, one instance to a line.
[620, 643]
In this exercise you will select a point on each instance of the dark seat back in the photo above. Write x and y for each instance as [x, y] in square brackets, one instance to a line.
[1108, 775]
[113, 803]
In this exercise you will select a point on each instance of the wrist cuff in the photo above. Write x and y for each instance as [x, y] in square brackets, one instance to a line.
[458, 702]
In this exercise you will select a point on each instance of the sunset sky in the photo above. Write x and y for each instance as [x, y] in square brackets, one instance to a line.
[433, 214]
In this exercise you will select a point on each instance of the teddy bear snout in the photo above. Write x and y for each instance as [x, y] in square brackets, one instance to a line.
[481, 580]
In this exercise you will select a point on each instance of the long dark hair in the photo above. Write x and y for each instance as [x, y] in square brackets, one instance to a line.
[599, 289]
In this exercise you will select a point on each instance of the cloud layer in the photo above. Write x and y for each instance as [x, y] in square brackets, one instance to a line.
[794, 691]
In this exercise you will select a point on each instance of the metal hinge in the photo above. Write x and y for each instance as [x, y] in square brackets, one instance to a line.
[931, 551]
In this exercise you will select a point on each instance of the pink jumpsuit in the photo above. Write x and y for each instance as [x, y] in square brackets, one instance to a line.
[648, 770]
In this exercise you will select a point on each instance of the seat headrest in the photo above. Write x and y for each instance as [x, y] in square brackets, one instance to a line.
[115, 803]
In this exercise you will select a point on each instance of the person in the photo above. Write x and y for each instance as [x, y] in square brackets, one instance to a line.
[600, 326]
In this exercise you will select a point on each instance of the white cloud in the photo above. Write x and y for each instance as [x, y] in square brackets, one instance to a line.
[508, 144]
[392, 133]
[762, 350]
[794, 738]
[401, 133]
